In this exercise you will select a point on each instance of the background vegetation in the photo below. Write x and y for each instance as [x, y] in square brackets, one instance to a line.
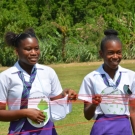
[68, 30]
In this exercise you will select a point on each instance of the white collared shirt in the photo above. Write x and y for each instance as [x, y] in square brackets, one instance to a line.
[11, 85]
[93, 84]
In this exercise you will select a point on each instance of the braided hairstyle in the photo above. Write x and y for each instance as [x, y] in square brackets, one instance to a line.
[110, 35]
[13, 39]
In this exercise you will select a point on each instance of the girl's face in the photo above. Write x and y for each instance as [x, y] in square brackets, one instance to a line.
[112, 54]
[28, 51]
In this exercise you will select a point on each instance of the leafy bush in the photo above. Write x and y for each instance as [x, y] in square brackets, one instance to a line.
[68, 31]
[7, 56]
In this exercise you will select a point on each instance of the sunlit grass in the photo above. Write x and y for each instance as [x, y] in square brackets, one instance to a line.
[71, 77]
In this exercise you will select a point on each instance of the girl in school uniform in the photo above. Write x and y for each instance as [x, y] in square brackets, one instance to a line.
[108, 90]
[28, 87]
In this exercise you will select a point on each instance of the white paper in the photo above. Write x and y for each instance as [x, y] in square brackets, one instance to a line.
[69, 107]
[59, 108]
[38, 101]
[113, 101]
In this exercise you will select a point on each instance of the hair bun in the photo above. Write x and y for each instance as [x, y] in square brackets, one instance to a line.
[29, 31]
[110, 32]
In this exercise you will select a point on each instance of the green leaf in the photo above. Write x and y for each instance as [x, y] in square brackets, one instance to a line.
[42, 105]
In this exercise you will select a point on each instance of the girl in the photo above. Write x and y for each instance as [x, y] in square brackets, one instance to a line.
[27, 87]
[107, 91]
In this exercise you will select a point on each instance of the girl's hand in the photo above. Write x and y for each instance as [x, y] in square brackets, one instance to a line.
[35, 115]
[96, 100]
[72, 95]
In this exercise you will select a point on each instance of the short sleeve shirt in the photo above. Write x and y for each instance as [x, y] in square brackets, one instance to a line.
[11, 85]
[93, 84]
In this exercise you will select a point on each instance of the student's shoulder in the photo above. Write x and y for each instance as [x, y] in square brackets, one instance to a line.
[129, 71]
[7, 72]
[92, 73]
[45, 68]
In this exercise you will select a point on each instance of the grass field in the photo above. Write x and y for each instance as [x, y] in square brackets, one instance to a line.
[71, 76]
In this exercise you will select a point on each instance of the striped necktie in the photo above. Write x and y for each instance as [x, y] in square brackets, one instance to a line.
[25, 96]
[106, 82]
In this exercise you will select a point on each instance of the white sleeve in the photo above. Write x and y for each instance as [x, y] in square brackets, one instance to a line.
[56, 88]
[133, 89]
[3, 88]
[59, 108]
[86, 90]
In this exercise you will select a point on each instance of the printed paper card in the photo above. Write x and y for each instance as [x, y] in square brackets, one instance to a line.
[39, 101]
[113, 101]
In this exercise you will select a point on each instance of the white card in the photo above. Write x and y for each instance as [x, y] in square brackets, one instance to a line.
[39, 101]
[113, 101]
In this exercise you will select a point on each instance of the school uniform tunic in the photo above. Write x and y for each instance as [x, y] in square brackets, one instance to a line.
[11, 87]
[115, 121]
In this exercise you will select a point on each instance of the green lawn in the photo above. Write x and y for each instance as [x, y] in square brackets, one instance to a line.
[71, 77]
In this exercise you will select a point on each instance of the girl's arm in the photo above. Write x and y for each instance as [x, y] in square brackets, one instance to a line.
[72, 95]
[132, 114]
[89, 108]
[11, 115]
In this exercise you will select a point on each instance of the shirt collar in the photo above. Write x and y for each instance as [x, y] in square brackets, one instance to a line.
[17, 67]
[100, 70]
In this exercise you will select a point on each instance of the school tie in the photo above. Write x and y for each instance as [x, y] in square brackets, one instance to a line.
[25, 95]
[107, 82]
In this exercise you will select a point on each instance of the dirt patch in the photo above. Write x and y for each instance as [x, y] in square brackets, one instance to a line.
[88, 63]
[3, 68]
[78, 64]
